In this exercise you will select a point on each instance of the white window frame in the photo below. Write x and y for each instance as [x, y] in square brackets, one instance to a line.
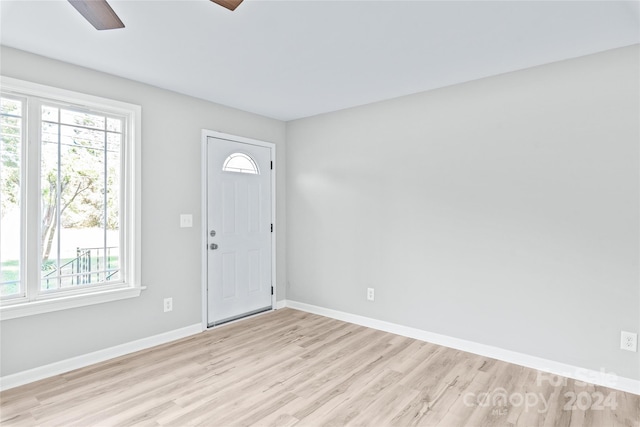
[34, 302]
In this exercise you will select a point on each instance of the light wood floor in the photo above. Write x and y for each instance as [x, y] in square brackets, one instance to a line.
[289, 368]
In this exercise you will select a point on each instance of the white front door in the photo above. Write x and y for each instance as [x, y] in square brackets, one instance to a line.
[239, 229]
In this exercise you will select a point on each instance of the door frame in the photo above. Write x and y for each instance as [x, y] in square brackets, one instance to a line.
[206, 134]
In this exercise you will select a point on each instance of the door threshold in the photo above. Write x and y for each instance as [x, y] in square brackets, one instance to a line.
[240, 317]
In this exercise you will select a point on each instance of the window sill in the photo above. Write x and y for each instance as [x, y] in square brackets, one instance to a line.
[31, 308]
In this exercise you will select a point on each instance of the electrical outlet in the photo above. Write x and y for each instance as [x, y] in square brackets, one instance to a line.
[629, 341]
[168, 304]
[371, 294]
[186, 220]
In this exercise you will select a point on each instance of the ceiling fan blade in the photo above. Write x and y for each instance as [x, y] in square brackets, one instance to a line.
[98, 13]
[229, 4]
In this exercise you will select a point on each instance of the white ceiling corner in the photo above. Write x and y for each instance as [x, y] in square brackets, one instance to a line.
[296, 58]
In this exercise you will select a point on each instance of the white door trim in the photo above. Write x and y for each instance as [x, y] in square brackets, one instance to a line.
[206, 134]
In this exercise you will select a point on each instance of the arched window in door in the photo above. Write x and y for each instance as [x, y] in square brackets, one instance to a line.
[239, 162]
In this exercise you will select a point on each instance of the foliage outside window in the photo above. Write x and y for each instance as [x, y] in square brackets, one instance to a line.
[69, 205]
[12, 136]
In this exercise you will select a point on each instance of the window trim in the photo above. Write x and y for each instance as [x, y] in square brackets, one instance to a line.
[131, 199]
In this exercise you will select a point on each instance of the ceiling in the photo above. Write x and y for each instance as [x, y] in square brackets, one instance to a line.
[297, 58]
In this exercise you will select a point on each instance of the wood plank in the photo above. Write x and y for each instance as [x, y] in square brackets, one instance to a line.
[290, 368]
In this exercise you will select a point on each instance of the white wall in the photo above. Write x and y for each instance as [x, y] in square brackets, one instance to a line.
[503, 211]
[171, 132]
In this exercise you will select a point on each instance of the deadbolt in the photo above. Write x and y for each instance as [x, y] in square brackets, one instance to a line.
[212, 233]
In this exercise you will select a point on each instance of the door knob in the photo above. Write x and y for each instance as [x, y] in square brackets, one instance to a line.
[213, 246]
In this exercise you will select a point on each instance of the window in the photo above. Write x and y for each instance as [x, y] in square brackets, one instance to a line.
[69, 217]
[239, 162]
[11, 126]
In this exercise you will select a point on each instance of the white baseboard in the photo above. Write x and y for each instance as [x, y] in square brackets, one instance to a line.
[544, 365]
[540, 364]
[56, 368]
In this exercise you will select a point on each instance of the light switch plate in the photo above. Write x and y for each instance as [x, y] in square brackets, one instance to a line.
[186, 220]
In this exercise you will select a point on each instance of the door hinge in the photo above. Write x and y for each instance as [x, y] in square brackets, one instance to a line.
[272, 290]
[271, 164]
[272, 228]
